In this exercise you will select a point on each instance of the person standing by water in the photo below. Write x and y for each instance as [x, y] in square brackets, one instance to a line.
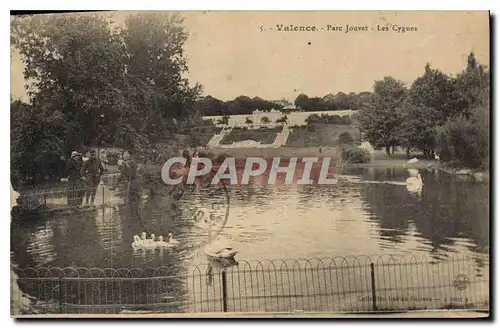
[75, 179]
[129, 174]
[92, 170]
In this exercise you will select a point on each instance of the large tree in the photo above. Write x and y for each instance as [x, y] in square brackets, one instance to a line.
[464, 138]
[121, 85]
[432, 99]
[114, 82]
[381, 119]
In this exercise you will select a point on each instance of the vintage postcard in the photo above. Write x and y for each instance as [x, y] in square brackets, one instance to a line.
[250, 164]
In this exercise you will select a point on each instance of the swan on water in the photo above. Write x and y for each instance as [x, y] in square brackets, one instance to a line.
[413, 160]
[137, 242]
[219, 251]
[171, 239]
[162, 243]
[415, 180]
[147, 243]
[412, 172]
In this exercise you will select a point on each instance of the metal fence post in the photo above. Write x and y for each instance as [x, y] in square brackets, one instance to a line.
[60, 294]
[224, 291]
[374, 294]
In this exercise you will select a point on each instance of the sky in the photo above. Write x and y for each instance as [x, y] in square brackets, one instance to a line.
[237, 53]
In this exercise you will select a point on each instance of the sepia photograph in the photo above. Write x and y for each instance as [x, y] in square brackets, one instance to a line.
[256, 164]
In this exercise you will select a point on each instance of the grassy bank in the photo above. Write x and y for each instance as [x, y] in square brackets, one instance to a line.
[315, 135]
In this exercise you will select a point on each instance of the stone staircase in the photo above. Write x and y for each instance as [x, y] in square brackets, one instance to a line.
[217, 138]
[282, 137]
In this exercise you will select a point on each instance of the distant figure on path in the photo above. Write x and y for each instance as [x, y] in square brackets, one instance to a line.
[92, 170]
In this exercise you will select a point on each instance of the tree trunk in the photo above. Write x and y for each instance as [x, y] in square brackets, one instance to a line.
[408, 153]
[388, 150]
[393, 149]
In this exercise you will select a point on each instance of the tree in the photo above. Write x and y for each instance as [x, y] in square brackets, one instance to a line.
[380, 121]
[464, 139]
[265, 120]
[155, 64]
[70, 71]
[343, 101]
[282, 120]
[224, 120]
[116, 85]
[330, 102]
[432, 99]
[210, 106]
[473, 85]
[302, 101]
[39, 139]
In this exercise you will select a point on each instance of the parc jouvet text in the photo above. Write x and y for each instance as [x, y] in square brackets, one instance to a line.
[346, 29]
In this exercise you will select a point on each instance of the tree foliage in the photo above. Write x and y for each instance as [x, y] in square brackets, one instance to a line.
[381, 119]
[120, 85]
[265, 120]
[439, 112]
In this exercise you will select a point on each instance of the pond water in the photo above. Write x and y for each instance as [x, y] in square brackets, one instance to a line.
[371, 212]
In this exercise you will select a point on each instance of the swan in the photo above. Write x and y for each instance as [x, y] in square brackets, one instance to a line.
[412, 172]
[417, 181]
[162, 243]
[137, 242]
[413, 160]
[171, 239]
[223, 253]
[147, 243]
[414, 188]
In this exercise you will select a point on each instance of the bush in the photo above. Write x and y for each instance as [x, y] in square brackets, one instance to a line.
[345, 138]
[465, 141]
[354, 155]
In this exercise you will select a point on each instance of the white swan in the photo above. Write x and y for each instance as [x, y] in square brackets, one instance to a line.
[219, 251]
[147, 243]
[137, 242]
[413, 160]
[162, 243]
[171, 239]
[416, 181]
[412, 172]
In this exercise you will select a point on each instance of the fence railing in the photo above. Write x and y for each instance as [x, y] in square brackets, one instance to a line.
[57, 198]
[340, 284]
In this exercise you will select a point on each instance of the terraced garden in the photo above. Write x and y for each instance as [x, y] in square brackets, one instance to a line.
[262, 135]
[200, 136]
[315, 135]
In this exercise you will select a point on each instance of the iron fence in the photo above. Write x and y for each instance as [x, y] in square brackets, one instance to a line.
[340, 284]
[50, 199]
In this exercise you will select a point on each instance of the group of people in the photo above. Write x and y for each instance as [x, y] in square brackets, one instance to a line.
[83, 178]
